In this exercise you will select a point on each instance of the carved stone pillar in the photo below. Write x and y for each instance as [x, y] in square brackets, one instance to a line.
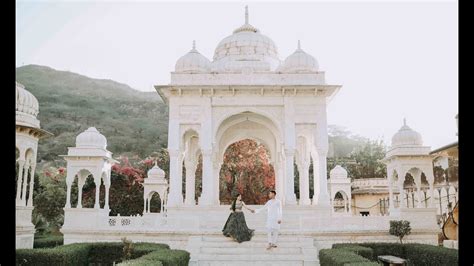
[290, 197]
[26, 173]
[323, 197]
[80, 184]
[303, 169]
[31, 186]
[176, 195]
[316, 177]
[191, 166]
[207, 197]
[106, 204]
[391, 204]
[97, 192]
[68, 193]
[21, 165]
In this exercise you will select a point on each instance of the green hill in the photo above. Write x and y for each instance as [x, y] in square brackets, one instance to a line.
[134, 122]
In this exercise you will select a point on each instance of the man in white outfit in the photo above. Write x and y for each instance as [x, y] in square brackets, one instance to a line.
[274, 213]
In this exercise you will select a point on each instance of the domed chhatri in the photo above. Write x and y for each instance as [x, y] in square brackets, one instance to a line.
[406, 136]
[298, 62]
[338, 172]
[27, 107]
[156, 172]
[91, 138]
[246, 48]
[193, 62]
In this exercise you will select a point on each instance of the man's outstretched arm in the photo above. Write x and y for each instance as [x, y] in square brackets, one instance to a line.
[261, 209]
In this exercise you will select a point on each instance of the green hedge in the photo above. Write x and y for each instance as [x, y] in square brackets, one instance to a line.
[419, 254]
[369, 263]
[48, 241]
[140, 263]
[340, 257]
[86, 254]
[365, 252]
[168, 257]
[394, 249]
[142, 248]
[105, 253]
[73, 254]
[415, 254]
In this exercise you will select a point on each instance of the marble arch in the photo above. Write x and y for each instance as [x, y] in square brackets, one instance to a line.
[248, 125]
[254, 126]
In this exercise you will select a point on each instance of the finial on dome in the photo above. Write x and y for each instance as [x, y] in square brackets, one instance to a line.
[194, 44]
[404, 121]
[299, 45]
[246, 14]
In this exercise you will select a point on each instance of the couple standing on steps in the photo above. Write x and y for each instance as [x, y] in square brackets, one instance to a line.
[236, 227]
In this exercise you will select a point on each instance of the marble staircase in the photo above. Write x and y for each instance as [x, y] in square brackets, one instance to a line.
[219, 250]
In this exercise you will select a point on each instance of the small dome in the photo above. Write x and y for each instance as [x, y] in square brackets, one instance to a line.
[91, 138]
[27, 107]
[245, 49]
[338, 172]
[156, 172]
[193, 62]
[406, 136]
[299, 62]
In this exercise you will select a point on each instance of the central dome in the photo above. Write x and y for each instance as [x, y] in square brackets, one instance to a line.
[245, 50]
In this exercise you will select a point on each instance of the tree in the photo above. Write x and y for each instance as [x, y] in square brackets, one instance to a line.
[367, 158]
[358, 155]
[246, 170]
[400, 229]
[49, 199]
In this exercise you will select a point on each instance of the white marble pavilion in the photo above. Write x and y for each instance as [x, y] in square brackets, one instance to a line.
[245, 92]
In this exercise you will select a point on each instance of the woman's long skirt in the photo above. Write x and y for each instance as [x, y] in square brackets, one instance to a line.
[236, 227]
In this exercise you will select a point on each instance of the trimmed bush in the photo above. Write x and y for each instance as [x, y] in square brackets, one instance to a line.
[421, 255]
[142, 248]
[140, 262]
[370, 263]
[86, 254]
[394, 249]
[415, 254]
[105, 253]
[400, 229]
[365, 252]
[73, 254]
[339, 257]
[48, 241]
[169, 257]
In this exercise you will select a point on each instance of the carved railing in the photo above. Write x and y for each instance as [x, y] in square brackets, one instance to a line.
[126, 221]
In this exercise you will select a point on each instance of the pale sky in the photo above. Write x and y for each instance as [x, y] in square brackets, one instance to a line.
[394, 59]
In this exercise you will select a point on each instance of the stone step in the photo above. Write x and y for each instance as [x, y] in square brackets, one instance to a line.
[250, 250]
[255, 244]
[255, 257]
[256, 238]
[254, 263]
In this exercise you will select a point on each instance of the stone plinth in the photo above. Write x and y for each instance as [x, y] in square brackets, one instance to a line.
[25, 229]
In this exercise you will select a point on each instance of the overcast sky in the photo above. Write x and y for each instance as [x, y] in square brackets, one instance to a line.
[394, 59]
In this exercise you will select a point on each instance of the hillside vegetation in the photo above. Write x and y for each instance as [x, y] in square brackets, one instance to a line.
[134, 122]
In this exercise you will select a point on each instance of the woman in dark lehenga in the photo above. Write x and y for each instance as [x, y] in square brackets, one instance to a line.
[235, 226]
